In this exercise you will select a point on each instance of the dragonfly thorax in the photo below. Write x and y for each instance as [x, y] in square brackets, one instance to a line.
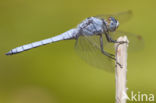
[91, 26]
[94, 26]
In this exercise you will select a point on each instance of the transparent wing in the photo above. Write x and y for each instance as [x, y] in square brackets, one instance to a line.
[121, 16]
[88, 47]
[136, 42]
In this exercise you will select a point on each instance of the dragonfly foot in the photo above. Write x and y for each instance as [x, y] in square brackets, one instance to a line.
[122, 42]
[119, 64]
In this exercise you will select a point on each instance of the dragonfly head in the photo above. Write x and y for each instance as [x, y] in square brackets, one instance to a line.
[112, 24]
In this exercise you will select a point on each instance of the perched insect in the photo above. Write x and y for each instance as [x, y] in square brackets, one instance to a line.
[94, 39]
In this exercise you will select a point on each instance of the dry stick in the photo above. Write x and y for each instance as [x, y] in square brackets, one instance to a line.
[120, 72]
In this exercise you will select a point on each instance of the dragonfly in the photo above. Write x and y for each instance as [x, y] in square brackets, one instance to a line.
[95, 37]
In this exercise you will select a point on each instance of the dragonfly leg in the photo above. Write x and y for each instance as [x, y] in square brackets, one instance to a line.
[102, 49]
[109, 39]
[106, 53]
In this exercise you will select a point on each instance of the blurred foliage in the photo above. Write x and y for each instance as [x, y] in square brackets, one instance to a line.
[54, 73]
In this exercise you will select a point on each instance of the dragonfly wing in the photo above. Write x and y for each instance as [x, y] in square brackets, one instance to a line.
[121, 16]
[136, 42]
[88, 48]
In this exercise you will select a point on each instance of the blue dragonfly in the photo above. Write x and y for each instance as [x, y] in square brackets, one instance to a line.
[95, 37]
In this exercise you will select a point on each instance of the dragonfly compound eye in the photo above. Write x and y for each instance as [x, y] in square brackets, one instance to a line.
[113, 24]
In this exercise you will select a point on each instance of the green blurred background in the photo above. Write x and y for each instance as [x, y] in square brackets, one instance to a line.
[54, 73]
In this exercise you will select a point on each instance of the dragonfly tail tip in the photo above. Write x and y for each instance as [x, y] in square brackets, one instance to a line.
[9, 53]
